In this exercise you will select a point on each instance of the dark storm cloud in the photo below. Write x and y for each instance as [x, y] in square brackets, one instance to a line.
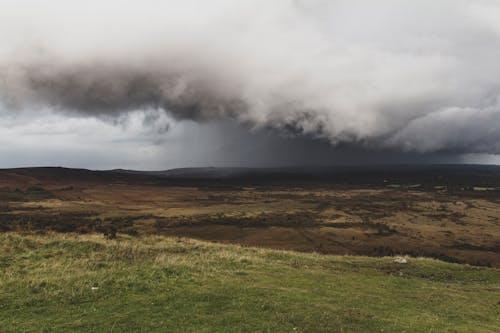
[110, 89]
[388, 75]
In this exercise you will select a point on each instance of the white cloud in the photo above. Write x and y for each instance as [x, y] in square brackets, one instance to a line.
[416, 76]
[132, 140]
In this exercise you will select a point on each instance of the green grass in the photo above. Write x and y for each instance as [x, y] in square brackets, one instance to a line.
[70, 283]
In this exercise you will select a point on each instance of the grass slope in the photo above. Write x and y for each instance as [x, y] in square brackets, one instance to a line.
[63, 283]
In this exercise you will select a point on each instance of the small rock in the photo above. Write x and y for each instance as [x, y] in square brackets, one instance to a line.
[400, 260]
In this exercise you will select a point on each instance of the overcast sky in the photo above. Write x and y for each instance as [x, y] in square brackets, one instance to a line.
[160, 84]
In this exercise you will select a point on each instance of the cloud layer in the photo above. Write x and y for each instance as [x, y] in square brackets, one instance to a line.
[414, 76]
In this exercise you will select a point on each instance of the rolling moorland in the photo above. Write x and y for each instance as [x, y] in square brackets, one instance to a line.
[251, 249]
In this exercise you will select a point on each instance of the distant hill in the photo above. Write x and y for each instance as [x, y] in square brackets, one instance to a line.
[379, 175]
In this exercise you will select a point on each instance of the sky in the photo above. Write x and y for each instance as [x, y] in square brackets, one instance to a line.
[153, 85]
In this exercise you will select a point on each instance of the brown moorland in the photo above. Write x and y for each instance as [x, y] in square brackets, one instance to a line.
[452, 222]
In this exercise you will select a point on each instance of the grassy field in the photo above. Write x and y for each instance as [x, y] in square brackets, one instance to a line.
[84, 283]
[461, 228]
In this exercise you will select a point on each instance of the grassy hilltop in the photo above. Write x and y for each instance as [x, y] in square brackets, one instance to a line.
[84, 283]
